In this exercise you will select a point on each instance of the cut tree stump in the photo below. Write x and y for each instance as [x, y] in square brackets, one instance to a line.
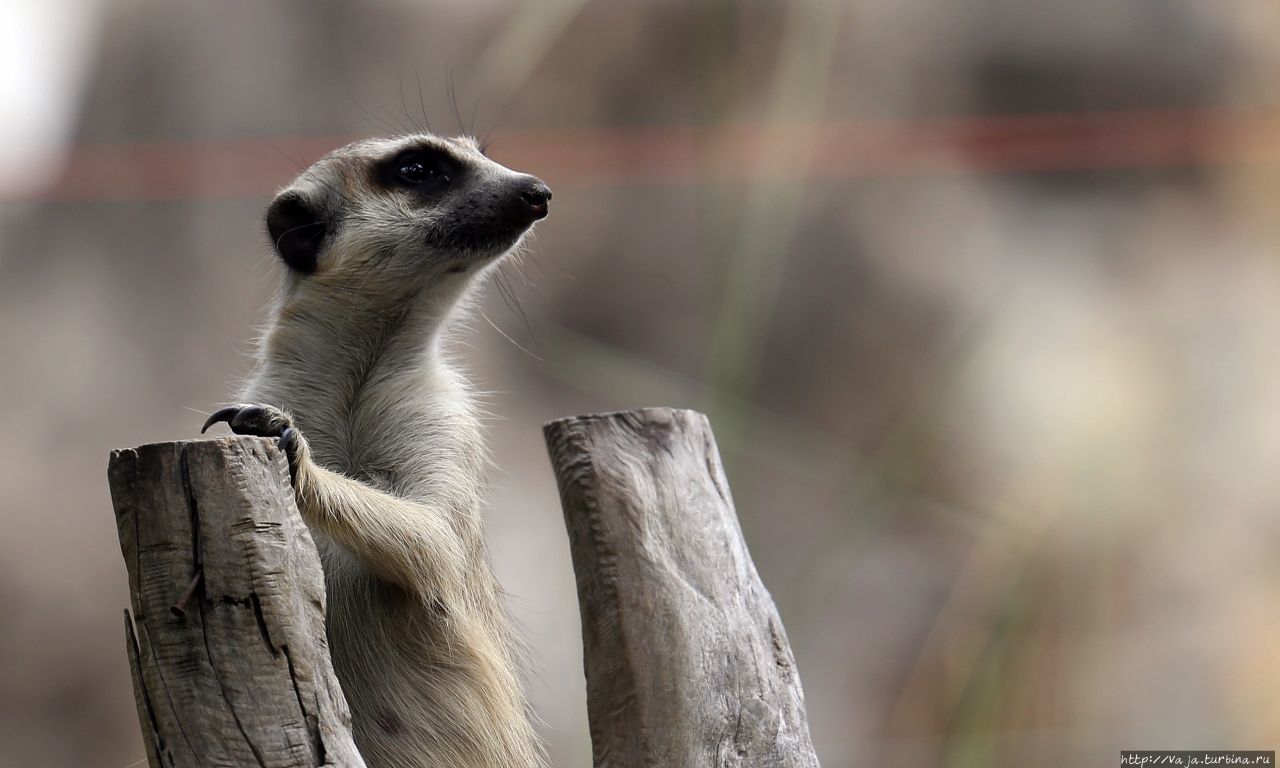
[226, 641]
[687, 663]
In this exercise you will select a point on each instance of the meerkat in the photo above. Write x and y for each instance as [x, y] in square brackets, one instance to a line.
[382, 240]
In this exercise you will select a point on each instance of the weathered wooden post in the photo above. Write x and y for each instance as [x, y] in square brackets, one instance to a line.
[226, 642]
[687, 663]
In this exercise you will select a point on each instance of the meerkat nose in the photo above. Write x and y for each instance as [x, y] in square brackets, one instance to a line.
[536, 195]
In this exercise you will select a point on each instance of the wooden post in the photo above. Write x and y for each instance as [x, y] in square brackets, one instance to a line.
[687, 663]
[226, 641]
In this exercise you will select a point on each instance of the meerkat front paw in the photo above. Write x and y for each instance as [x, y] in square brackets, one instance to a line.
[263, 421]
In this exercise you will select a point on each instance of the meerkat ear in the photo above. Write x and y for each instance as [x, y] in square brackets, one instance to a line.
[297, 230]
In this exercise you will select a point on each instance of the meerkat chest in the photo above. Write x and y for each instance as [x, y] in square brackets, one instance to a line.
[400, 443]
[393, 432]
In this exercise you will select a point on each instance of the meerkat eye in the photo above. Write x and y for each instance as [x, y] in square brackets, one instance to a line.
[417, 168]
[414, 172]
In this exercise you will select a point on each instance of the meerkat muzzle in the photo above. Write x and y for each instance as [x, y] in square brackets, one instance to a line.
[536, 196]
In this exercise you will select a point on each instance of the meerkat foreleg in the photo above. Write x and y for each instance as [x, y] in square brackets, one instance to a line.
[409, 543]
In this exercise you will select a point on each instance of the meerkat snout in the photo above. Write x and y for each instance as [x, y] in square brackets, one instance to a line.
[536, 195]
[524, 200]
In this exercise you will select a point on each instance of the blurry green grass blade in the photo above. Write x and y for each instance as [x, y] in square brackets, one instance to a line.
[523, 41]
[755, 267]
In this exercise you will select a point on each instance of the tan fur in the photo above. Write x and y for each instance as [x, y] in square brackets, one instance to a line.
[389, 474]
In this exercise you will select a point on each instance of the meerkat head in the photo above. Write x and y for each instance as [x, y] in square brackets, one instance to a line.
[394, 216]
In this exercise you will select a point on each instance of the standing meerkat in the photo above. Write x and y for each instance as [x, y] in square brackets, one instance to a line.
[382, 241]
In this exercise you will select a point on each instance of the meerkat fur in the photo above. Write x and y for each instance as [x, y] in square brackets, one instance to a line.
[382, 241]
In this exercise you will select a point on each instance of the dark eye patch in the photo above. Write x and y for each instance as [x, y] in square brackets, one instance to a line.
[420, 168]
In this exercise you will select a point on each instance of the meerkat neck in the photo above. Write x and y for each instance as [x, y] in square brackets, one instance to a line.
[348, 355]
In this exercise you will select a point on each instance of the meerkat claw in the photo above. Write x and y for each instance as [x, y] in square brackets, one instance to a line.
[248, 420]
[288, 440]
[260, 420]
[222, 414]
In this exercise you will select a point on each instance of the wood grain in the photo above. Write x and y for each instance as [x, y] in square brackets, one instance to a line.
[242, 677]
[687, 662]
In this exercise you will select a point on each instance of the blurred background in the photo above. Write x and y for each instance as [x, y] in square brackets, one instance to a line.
[982, 298]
